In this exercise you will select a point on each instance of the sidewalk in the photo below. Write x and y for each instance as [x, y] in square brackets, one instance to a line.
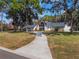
[38, 48]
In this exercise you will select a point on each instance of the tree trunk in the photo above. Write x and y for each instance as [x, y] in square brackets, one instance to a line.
[71, 24]
[71, 27]
[1, 23]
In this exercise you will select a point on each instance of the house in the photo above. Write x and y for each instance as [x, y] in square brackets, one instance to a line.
[57, 26]
[51, 26]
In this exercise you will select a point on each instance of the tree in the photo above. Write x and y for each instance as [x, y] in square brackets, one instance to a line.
[22, 11]
[2, 6]
[48, 18]
[59, 5]
[70, 12]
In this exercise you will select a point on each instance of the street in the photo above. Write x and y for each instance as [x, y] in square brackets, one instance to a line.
[8, 55]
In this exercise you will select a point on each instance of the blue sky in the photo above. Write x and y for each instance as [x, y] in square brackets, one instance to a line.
[4, 19]
[49, 6]
[46, 12]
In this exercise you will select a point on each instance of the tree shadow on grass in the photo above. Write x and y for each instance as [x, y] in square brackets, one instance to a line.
[14, 32]
[61, 33]
[69, 33]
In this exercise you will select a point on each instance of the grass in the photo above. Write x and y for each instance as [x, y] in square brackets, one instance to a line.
[15, 40]
[64, 45]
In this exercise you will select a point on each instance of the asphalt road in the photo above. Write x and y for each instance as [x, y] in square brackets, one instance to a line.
[8, 55]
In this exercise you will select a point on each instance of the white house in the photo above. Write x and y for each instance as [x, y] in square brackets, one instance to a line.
[61, 26]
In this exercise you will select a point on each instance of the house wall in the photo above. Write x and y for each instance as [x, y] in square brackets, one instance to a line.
[52, 26]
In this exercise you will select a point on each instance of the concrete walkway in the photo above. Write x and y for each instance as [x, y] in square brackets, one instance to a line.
[38, 49]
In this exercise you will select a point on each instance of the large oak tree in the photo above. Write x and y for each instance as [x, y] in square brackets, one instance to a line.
[22, 11]
[58, 5]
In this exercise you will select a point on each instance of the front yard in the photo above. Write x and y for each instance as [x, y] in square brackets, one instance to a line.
[64, 45]
[15, 40]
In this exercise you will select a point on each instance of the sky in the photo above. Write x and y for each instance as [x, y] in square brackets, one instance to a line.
[5, 20]
[43, 5]
[49, 6]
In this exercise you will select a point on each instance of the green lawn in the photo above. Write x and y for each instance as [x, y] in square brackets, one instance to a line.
[15, 40]
[64, 45]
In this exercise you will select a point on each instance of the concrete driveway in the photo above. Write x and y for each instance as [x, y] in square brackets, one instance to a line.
[37, 48]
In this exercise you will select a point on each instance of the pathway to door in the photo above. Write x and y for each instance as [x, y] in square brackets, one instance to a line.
[37, 49]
